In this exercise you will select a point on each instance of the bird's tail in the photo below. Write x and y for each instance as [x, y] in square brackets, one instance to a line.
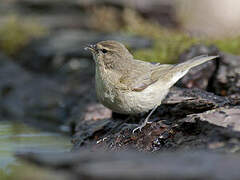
[194, 62]
[179, 70]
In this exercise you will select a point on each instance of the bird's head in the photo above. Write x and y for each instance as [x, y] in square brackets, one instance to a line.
[109, 53]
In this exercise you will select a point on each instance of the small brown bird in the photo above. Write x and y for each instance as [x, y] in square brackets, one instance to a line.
[130, 86]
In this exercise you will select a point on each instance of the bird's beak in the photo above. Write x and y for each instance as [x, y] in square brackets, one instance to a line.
[92, 48]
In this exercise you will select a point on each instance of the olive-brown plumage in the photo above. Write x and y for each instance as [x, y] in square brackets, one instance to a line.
[131, 86]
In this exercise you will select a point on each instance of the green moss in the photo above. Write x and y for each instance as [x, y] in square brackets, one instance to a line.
[167, 48]
[28, 171]
[229, 45]
[168, 44]
[16, 33]
[4, 175]
[8, 173]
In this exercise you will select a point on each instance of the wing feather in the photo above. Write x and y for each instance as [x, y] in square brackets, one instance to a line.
[143, 75]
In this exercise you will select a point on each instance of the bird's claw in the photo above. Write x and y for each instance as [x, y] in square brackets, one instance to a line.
[139, 127]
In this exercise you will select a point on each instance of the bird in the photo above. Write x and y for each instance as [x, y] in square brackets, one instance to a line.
[130, 86]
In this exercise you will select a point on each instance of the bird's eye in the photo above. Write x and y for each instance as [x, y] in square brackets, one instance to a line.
[104, 51]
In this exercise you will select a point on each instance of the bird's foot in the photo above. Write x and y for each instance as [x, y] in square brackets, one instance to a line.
[140, 127]
[145, 121]
[135, 129]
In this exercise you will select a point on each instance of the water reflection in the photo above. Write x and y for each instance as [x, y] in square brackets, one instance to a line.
[19, 137]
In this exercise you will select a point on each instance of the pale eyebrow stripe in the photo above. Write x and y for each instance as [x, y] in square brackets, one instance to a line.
[107, 45]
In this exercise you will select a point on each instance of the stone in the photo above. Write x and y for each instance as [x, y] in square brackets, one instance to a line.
[176, 125]
[227, 78]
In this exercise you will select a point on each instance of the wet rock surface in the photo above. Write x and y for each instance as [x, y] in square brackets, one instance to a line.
[187, 119]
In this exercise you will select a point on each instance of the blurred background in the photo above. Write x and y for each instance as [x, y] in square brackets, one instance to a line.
[168, 25]
[47, 79]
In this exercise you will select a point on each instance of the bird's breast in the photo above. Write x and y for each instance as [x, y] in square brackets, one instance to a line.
[129, 102]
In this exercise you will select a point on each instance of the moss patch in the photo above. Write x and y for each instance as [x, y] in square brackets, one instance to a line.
[230, 44]
[168, 44]
[29, 171]
[167, 48]
[16, 33]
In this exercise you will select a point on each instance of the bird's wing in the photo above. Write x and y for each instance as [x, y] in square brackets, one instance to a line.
[143, 75]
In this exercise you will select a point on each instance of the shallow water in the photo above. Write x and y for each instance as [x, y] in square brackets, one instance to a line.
[16, 137]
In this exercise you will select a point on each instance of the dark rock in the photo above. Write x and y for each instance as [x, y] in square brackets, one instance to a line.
[201, 75]
[134, 165]
[52, 53]
[170, 129]
[224, 117]
[221, 76]
[227, 79]
[181, 102]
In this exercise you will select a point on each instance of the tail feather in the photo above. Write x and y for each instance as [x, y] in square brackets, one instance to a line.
[195, 62]
[179, 70]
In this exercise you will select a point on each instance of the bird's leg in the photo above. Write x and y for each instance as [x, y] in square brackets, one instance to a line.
[145, 121]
